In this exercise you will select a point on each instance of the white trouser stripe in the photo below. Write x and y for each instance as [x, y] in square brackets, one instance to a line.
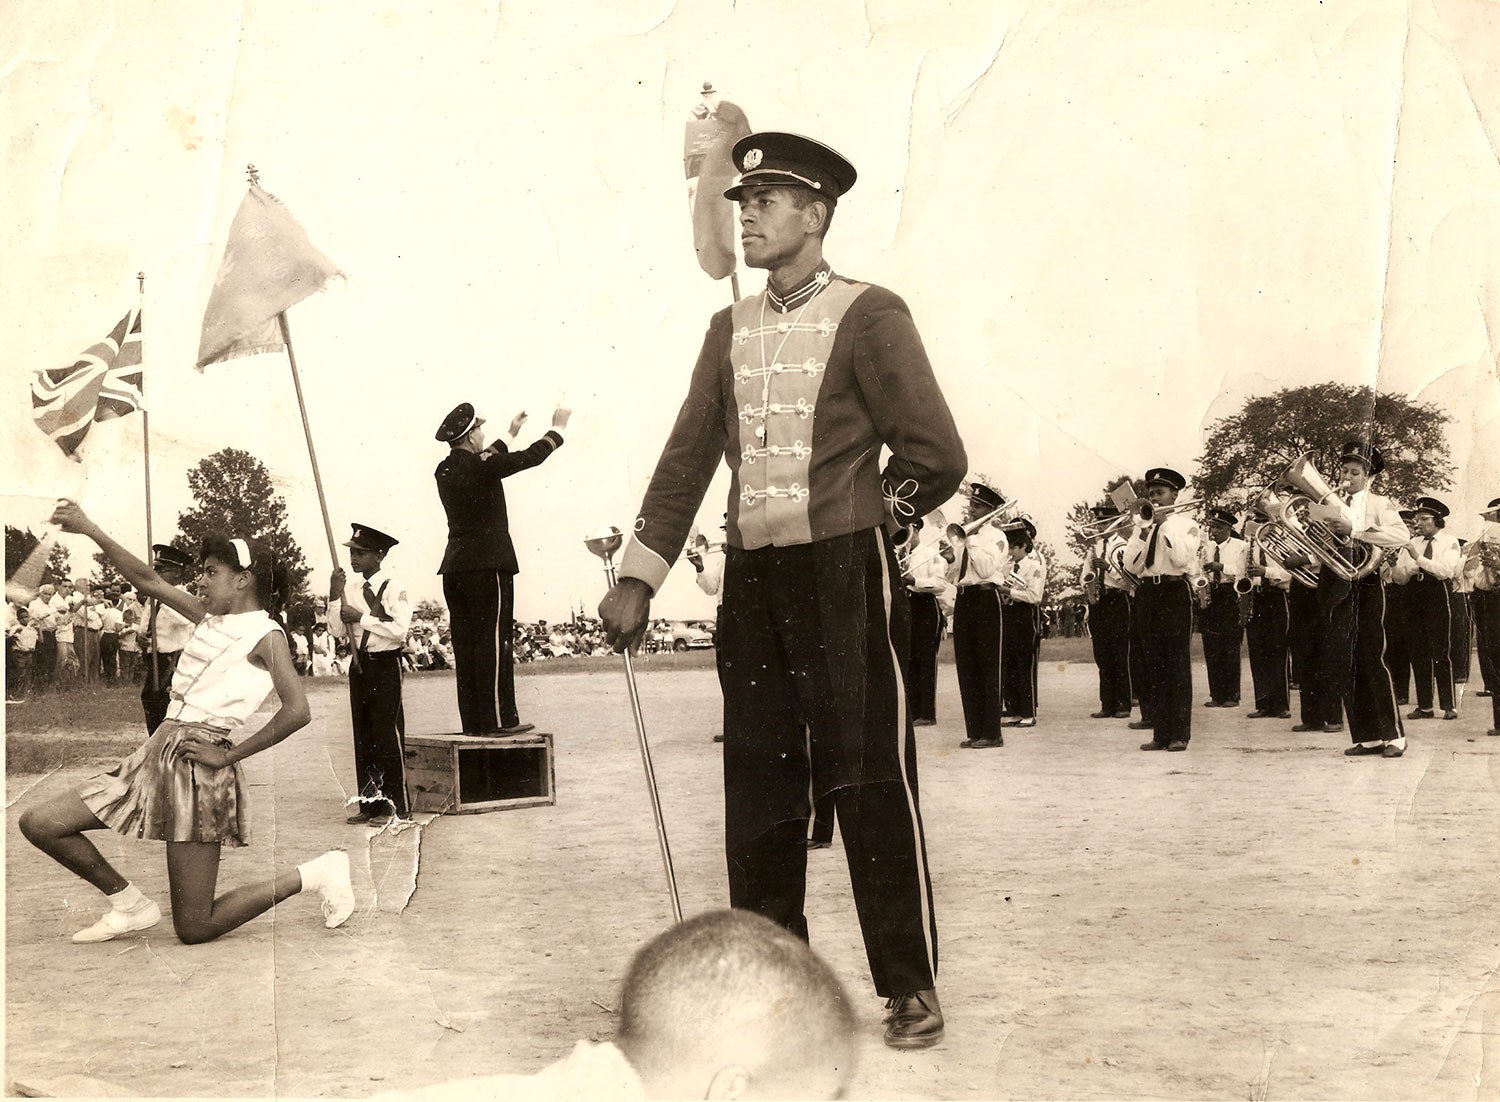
[495, 693]
[900, 730]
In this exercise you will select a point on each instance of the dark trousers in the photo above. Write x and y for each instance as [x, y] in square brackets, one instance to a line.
[1266, 637]
[109, 654]
[1351, 656]
[482, 622]
[1222, 635]
[1022, 632]
[1486, 626]
[379, 732]
[922, 661]
[811, 636]
[1398, 638]
[18, 668]
[1329, 669]
[1138, 681]
[1167, 637]
[46, 659]
[977, 646]
[154, 701]
[1109, 624]
[1432, 643]
[1462, 636]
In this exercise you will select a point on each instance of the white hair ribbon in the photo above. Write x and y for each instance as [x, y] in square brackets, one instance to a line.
[242, 549]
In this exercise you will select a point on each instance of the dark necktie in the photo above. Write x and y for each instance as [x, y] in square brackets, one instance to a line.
[1427, 554]
[370, 603]
[1151, 547]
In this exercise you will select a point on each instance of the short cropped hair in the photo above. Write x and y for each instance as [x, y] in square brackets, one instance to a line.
[732, 982]
[802, 196]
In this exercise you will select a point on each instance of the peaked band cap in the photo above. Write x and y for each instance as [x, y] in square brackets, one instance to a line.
[772, 157]
[1224, 516]
[164, 554]
[370, 539]
[1492, 506]
[1406, 514]
[981, 496]
[1431, 506]
[460, 421]
[1165, 476]
[1103, 511]
[1368, 454]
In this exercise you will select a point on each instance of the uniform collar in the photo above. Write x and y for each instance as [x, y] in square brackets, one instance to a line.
[802, 294]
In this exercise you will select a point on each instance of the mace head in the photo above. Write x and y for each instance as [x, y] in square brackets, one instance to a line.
[605, 542]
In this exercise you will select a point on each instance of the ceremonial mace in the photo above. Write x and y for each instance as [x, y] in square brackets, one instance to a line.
[605, 544]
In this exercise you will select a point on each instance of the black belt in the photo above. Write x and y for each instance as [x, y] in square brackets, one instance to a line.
[1158, 579]
[978, 585]
[378, 654]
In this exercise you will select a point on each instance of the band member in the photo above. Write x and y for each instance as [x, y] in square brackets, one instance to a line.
[1482, 565]
[375, 620]
[1021, 609]
[979, 566]
[1398, 622]
[1223, 564]
[479, 567]
[926, 592]
[1462, 635]
[1163, 553]
[171, 630]
[1429, 562]
[1109, 620]
[1350, 660]
[1266, 631]
[799, 388]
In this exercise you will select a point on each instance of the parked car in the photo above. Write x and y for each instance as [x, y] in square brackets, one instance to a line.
[690, 636]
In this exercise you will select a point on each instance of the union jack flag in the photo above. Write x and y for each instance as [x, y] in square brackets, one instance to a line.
[103, 384]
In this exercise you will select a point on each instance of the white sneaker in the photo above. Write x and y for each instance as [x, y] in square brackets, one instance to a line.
[116, 923]
[332, 882]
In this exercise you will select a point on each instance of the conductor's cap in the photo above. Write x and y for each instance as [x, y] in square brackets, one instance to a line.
[459, 423]
[771, 158]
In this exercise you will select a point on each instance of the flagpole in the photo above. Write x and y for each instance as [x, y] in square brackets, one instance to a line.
[291, 358]
[140, 280]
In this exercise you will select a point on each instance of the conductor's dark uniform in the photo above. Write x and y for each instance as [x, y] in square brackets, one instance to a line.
[479, 570]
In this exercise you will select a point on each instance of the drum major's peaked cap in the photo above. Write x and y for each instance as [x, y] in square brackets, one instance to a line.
[460, 420]
[370, 539]
[1165, 476]
[772, 157]
[1431, 506]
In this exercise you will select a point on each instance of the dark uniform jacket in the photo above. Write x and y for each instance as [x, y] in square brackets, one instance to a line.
[473, 496]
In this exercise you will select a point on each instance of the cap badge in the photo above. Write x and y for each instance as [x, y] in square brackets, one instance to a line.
[753, 157]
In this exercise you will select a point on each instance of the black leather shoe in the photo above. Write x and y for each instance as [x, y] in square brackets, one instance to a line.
[1482, 692]
[718, 738]
[1451, 713]
[1212, 704]
[1392, 751]
[518, 728]
[1152, 746]
[967, 744]
[916, 1021]
[1258, 714]
[1420, 713]
[1125, 714]
[924, 723]
[1301, 728]
[1493, 731]
[814, 843]
[987, 743]
[1141, 725]
[361, 817]
[1177, 746]
[1283, 715]
[1101, 715]
[1362, 748]
[1332, 728]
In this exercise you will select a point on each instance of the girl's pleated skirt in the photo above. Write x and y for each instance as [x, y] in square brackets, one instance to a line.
[155, 794]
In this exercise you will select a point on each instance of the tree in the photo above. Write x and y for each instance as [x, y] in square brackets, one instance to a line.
[430, 611]
[20, 542]
[105, 574]
[234, 497]
[1246, 451]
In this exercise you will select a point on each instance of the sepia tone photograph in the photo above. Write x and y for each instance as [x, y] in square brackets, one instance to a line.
[721, 550]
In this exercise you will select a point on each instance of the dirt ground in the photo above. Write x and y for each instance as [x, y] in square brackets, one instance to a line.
[1258, 918]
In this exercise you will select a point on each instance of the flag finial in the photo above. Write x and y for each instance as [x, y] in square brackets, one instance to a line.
[140, 282]
[253, 175]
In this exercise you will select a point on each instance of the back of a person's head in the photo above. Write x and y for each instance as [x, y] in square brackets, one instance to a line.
[730, 1005]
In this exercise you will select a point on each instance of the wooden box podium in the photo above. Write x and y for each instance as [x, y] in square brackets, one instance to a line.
[463, 774]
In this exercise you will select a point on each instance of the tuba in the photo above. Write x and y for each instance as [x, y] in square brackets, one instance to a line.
[1343, 556]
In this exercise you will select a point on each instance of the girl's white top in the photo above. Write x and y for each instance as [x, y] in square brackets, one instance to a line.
[215, 682]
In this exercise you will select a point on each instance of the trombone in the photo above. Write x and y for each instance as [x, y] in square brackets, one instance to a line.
[964, 531]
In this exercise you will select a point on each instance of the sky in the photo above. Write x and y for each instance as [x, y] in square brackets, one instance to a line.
[1113, 220]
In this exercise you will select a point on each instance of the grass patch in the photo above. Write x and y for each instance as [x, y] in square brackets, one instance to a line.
[85, 725]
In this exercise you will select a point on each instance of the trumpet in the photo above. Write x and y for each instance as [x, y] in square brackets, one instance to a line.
[962, 531]
[901, 542]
